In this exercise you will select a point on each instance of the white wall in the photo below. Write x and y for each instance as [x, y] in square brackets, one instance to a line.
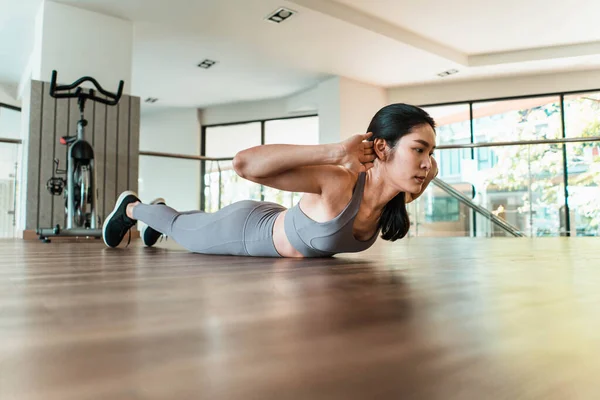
[328, 95]
[10, 123]
[78, 43]
[175, 130]
[346, 107]
[176, 180]
[495, 88]
[6, 96]
[359, 103]
[303, 103]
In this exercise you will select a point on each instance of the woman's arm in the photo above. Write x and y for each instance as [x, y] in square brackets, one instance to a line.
[273, 159]
[301, 168]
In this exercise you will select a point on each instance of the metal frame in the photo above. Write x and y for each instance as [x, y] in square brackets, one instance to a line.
[11, 141]
[15, 108]
[519, 143]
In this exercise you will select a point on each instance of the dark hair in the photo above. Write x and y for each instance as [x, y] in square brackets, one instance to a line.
[391, 123]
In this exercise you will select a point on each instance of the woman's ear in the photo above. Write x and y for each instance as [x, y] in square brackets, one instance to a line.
[380, 147]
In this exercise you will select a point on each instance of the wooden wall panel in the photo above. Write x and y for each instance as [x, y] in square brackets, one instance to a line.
[60, 153]
[46, 155]
[122, 183]
[33, 156]
[134, 142]
[100, 151]
[110, 159]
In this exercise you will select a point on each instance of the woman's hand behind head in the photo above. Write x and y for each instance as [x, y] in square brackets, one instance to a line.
[357, 153]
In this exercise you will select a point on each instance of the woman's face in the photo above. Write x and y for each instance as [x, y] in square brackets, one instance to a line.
[410, 160]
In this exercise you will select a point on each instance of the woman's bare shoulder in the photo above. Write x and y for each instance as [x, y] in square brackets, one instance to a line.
[339, 181]
[334, 197]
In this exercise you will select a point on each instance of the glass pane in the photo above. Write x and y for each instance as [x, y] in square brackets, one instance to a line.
[582, 115]
[175, 180]
[9, 188]
[584, 187]
[453, 123]
[513, 120]
[521, 184]
[10, 123]
[303, 131]
[222, 186]
[437, 213]
[524, 185]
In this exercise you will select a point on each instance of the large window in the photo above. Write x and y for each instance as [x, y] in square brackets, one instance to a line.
[221, 185]
[522, 183]
[289, 131]
[10, 135]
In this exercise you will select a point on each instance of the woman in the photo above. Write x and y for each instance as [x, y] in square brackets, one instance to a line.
[352, 190]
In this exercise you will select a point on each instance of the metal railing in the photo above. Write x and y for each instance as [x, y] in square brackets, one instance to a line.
[11, 141]
[501, 223]
[184, 156]
[519, 143]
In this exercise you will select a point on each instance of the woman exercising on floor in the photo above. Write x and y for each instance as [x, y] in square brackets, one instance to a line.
[352, 190]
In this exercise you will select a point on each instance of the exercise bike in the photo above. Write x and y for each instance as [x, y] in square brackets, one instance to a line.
[81, 212]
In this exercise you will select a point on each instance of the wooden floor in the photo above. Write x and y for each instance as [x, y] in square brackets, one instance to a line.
[451, 318]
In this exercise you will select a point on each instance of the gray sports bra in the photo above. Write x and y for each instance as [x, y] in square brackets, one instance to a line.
[323, 239]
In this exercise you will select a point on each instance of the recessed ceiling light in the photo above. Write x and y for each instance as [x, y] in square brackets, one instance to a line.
[280, 15]
[151, 100]
[449, 72]
[206, 64]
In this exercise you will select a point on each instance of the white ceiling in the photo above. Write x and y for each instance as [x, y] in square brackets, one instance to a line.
[388, 43]
[486, 26]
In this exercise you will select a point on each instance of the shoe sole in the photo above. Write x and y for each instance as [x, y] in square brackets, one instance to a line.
[159, 200]
[107, 220]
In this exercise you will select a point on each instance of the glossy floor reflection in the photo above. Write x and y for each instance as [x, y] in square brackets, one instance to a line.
[452, 318]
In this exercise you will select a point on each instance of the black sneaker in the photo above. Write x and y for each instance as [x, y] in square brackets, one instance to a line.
[150, 235]
[117, 224]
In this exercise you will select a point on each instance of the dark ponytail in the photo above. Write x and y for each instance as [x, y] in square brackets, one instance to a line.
[391, 123]
[394, 221]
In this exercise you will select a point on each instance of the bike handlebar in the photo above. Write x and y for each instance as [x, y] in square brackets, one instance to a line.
[112, 99]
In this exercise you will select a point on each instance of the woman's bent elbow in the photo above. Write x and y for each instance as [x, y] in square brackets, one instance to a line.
[239, 165]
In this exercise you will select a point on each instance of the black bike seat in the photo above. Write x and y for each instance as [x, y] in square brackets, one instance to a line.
[67, 139]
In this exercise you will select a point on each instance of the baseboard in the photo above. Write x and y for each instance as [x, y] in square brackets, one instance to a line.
[29, 234]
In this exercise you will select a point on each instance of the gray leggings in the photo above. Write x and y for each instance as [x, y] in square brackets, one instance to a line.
[244, 228]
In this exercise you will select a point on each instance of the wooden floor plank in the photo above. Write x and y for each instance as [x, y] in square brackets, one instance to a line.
[423, 318]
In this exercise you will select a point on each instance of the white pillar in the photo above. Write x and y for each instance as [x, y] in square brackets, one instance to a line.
[346, 107]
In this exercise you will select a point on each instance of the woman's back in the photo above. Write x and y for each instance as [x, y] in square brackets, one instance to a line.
[313, 238]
